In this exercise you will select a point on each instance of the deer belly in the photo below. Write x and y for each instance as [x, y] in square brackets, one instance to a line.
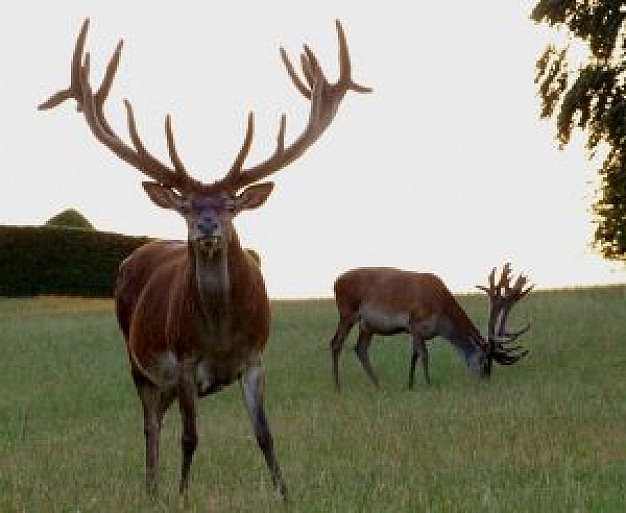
[166, 370]
[385, 323]
[212, 378]
[162, 369]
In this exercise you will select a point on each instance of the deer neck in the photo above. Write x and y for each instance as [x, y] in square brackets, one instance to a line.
[465, 337]
[211, 279]
[467, 345]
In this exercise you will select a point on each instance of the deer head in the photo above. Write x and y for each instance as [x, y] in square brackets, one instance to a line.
[502, 297]
[209, 208]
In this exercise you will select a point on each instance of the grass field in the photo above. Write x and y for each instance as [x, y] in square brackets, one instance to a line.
[547, 435]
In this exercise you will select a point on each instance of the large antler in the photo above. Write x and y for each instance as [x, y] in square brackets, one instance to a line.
[92, 107]
[503, 296]
[324, 97]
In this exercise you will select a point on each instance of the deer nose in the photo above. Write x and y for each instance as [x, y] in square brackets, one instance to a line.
[208, 227]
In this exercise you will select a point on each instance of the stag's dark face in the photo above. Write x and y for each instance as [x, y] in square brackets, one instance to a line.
[209, 214]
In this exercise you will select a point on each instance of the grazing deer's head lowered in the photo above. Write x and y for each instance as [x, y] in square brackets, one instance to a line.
[503, 296]
[196, 315]
[387, 301]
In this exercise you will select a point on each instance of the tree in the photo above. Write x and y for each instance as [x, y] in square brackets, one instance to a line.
[591, 98]
[69, 218]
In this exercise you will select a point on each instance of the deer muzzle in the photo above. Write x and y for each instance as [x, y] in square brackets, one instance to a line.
[209, 245]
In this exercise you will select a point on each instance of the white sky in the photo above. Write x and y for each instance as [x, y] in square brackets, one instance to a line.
[444, 168]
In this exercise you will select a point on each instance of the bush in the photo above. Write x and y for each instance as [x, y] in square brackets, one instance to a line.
[69, 218]
[61, 261]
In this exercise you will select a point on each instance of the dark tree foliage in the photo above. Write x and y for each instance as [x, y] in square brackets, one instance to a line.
[591, 98]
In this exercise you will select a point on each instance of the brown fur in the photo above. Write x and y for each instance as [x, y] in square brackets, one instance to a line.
[157, 306]
[387, 301]
[419, 294]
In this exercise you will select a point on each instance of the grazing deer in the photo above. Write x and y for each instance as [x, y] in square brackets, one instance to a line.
[387, 301]
[196, 315]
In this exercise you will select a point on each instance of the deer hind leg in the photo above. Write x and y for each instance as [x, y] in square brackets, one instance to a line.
[419, 351]
[362, 351]
[253, 386]
[187, 399]
[346, 321]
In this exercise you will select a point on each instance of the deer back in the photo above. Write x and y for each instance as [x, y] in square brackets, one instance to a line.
[389, 291]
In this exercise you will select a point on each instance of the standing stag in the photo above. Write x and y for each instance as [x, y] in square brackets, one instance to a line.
[387, 301]
[195, 315]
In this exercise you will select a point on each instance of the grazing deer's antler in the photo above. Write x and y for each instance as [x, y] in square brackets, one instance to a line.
[503, 296]
[324, 102]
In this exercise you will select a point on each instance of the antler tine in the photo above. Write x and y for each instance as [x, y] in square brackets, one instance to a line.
[105, 87]
[504, 358]
[92, 107]
[490, 289]
[171, 148]
[505, 278]
[519, 287]
[235, 169]
[517, 333]
[311, 67]
[324, 101]
[295, 79]
[492, 279]
[345, 65]
[150, 165]
[73, 91]
[506, 337]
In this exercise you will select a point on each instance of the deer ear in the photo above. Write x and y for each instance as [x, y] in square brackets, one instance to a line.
[254, 196]
[164, 197]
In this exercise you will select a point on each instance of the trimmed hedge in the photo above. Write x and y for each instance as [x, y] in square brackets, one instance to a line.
[61, 261]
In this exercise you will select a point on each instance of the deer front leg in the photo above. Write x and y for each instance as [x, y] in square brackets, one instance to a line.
[336, 344]
[419, 351]
[253, 386]
[150, 397]
[362, 351]
[187, 398]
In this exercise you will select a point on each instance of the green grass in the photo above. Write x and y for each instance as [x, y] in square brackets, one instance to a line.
[547, 435]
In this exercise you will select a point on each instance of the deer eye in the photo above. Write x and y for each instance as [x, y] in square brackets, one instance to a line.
[185, 207]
